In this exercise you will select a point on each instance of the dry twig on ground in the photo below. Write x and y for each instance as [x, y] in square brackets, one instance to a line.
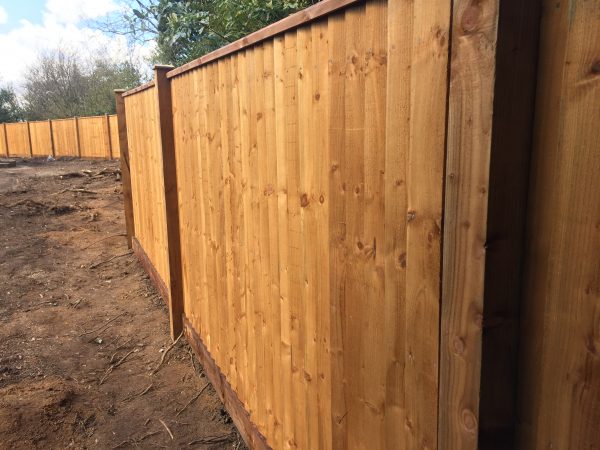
[166, 428]
[162, 360]
[135, 441]
[103, 326]
[213, 439]
[103, 239]
[194, 398]
[93, 266]
[115, 365]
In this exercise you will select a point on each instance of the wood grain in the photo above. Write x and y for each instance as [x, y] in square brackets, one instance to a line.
[474, 33]
[559, 399]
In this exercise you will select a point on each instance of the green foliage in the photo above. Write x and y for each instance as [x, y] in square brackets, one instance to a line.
[103, 79]
[187, 29]
[59, 85]
[10, 110]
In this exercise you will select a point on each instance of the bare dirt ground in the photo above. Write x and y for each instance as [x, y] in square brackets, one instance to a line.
[82, 330]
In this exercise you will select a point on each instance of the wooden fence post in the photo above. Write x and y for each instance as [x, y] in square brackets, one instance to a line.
[77, 137]
[29, 139]
[6, 141]
[109, 152]
[52, 138]
[125, 168]
[165, 120]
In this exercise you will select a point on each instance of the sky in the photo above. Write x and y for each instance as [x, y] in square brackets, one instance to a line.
[28, 27]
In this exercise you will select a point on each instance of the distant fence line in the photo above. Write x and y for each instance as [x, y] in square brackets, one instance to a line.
[94, 137]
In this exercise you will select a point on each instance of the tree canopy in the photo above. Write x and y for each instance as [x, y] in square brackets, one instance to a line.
[10, 110]
[60, 85]
[187, 29]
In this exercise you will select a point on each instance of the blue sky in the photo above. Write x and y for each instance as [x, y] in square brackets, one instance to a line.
[31, 27]
[16, 11]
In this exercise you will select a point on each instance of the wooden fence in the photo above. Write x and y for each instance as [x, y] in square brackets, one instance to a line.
[84, 137]
[334, 209]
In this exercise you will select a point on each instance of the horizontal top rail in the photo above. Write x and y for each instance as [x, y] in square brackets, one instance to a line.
[140, 88]
[101, 116]
[57, 120]
[295, 20]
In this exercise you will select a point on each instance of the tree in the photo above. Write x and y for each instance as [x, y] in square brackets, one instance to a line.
[187, 29]
[59, 84]
[10, 110]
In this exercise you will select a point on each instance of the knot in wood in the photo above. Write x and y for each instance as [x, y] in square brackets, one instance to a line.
[470, 19]
[304, 200]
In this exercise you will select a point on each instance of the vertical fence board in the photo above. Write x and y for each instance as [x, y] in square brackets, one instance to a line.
[114, 135]
[559, 405]
[465, 219]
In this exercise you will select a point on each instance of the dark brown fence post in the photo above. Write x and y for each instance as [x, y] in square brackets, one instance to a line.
[165, 119]
[77, 137]
[51, 138]
[124, 163]
[6, 141]
[109, 152]
[29, 139]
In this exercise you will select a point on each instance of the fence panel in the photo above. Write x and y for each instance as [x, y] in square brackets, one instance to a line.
[64, 132]
[314, 292]
[92, 137]
[147, 184]
[18, 139]
[41, 140]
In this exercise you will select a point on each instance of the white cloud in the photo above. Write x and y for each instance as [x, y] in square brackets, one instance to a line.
[3, 15]
[62, 26]
[74, 11]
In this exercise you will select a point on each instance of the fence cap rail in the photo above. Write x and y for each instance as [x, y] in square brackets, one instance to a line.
[293, 21]
[140, 88]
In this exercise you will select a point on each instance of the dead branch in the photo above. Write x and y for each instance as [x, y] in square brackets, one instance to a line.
[139, 394]
[106, 171]
[162, 360]
[93, 266]
[114, 366]
[193, 399]
[112, 358]
[166, 428]
[103, 326]
[213, 439]
[135, 441]
[103, 239]
[83, 191]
